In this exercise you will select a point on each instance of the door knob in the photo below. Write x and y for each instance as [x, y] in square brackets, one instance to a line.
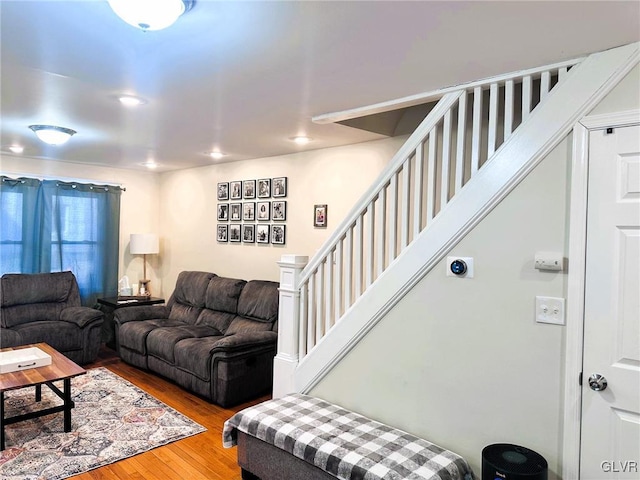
[597, 382]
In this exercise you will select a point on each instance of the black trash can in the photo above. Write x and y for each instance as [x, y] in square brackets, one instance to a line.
[504, 461]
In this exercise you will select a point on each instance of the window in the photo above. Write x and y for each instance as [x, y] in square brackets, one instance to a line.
[52, 226]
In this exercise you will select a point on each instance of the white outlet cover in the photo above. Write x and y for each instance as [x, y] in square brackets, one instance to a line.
[550, 310]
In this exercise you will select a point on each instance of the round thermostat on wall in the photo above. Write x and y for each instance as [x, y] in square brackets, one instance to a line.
[458, 267]
[461, 267]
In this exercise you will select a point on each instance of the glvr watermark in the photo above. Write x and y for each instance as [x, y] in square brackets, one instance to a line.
[619, 466]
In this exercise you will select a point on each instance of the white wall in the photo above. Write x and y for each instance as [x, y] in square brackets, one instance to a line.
[139, 209]
[461, 362]
[334, 176]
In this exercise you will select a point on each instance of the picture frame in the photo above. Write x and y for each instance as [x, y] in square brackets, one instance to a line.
[248, 233]
[234, 232]
[278, 233]
[223, 212]
[264, 188]
[249, 211]
[235, 212]
[263, 211]
[222, 232]
[223, 191]
[249, 189]
[279, 211]
[279, 187]
[262, 233]
[235, 190]
[320, 216]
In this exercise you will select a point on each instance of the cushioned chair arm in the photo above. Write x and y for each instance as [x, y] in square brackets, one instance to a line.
[141, 312]
[81, 316]
[245, 340]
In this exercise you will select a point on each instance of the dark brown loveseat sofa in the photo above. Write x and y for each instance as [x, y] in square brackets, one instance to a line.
[215, 337]
[45, 307]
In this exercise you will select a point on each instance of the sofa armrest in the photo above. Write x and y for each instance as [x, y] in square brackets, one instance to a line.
[140, 312]
[245, 340]
[81, 316]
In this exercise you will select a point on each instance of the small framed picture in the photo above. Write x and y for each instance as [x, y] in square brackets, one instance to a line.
[279, 185]
[264, 188]
[235, 212]
[249, 189]
[262, 233]
[263, 211]
[222, 233]
[223, 212]
[223, 191]
[234, 232]
[319, 215]
[249, 211]
[279, 211]
[277, 234]
[248, 233]
[235, 190]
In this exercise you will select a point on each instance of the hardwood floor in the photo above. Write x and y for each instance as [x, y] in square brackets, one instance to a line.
[198, 457]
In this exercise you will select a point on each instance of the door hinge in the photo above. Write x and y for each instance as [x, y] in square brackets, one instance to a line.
[580, 379]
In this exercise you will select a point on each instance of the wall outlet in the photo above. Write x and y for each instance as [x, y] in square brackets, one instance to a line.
[550, 310]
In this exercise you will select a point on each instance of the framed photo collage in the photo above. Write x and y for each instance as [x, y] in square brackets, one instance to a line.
[253, 211]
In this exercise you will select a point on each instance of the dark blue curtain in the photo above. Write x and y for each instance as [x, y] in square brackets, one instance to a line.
[52, 226]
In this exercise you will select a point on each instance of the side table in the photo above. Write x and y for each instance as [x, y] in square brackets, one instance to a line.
[109, 305]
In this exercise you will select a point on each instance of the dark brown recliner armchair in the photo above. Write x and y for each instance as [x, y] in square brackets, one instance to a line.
[45, 307]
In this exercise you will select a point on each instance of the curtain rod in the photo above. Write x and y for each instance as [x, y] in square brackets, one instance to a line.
[15, 176]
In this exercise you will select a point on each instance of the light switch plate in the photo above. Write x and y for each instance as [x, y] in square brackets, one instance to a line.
[550, 310]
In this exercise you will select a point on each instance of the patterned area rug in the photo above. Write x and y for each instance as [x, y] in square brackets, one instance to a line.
[112, 420]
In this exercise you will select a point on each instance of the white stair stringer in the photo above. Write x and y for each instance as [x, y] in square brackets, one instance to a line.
[585, 85]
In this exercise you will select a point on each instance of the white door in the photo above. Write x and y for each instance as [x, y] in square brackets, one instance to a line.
[610, 442]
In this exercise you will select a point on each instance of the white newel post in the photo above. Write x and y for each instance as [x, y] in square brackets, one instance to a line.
[286, 360]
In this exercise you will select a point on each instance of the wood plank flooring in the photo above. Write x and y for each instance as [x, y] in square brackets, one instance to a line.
[200, 457]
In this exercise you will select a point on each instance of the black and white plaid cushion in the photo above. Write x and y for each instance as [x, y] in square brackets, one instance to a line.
[343, 443]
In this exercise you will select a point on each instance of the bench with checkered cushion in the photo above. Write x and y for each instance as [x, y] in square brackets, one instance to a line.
[342, 443]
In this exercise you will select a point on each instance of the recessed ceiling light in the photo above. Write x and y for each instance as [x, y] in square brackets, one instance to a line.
[16, 148]
[301, 139]
[150, 164]
[216, 155]
[130, 100]
[52, 134]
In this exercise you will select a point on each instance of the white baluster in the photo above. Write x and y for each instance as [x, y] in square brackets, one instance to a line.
[337, 297]
[446, 160]
[417, 191]
[562, 73]
[393, 218]
[431, 174]
[348, 267]
[462, 130]
[370, 235]
[287, 358]
[405, 202]
[311, 315]
[545, 85]
[526, 97]
[381, 237]
[357, 248]
[304, 312]
[493, 120]
[476, 129]
[508, 109]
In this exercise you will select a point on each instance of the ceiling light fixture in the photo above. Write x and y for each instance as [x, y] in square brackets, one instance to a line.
[16, 148]
[150, 14]
[52, 134]
[301, 140]
[216, 155]
[130, 100]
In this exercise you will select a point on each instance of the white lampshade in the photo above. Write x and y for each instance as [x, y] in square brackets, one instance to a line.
[144, 244]
[52, 134]
[150, 14]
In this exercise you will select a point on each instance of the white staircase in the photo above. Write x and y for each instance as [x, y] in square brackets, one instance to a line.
[479, 141]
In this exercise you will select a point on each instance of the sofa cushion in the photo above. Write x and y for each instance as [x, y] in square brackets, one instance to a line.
[223, 294]
[193, 355]
[259, 301]
[62, 336]
[218, 320]
[162, 341]
[133, 335]
[191, 288]
[186, 314]
[244, 325]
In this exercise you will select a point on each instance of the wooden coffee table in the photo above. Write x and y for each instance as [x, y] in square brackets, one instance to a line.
[61, 368]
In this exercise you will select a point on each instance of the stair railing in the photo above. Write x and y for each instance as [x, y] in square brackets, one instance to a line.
[460, 134]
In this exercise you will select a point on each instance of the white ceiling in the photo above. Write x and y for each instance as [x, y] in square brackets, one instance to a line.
[244, 77]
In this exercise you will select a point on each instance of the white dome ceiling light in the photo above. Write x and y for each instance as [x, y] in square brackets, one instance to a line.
[150, 14]
[52, 134]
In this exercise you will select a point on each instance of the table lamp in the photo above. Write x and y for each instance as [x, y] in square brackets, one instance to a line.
[144, 244]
